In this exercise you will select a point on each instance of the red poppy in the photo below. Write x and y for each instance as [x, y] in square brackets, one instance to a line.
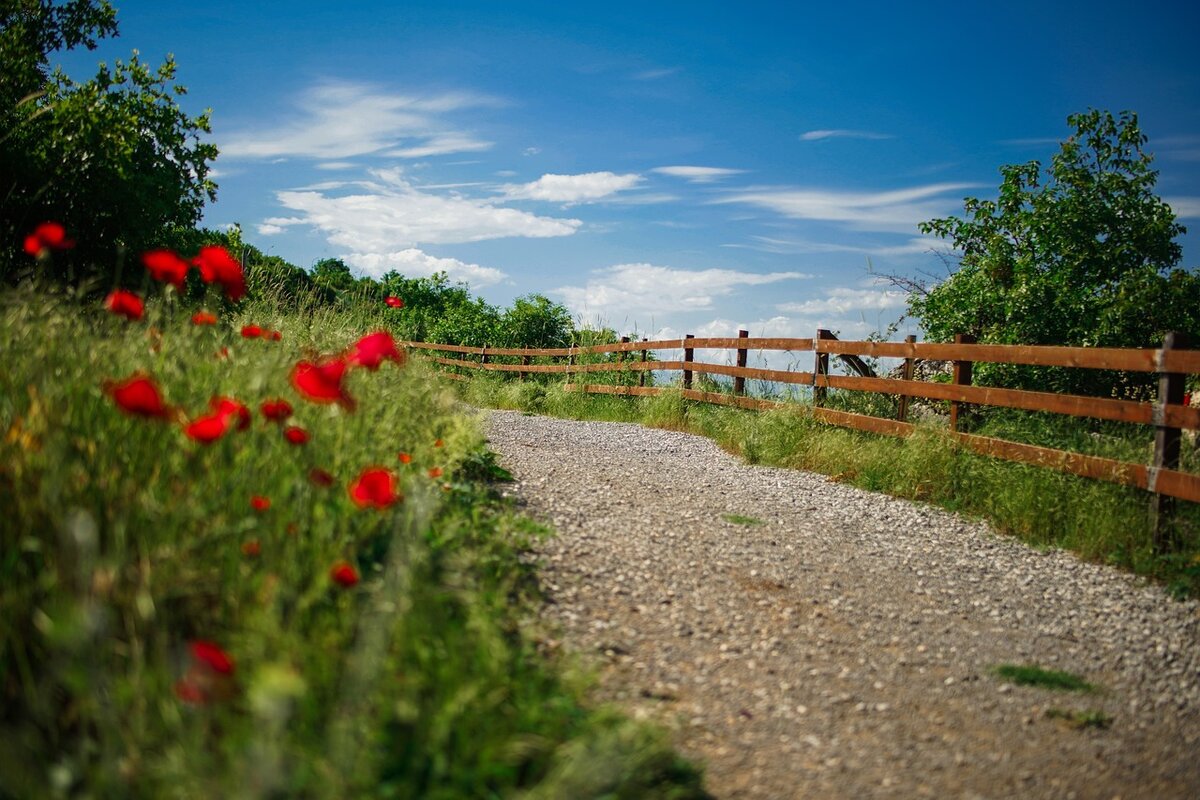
[139, 396]
[376, 487]
[204, 318]
[1187, 398]
[251, 332]
[296, 434]
[439, 443]
[223, 353]
[274, 336]
[212, 656]
[343, 574]
[210, 676]
[260, 503]
[229, 407]
[371, 350]
[47, 236]
[125, 304]
[207, 429]
[405, 458]
[435, 472]
[251, 548]
[320, 477]
[217, 266]
[165, 266]
[394, 302]
[276, 410]
[322, 382]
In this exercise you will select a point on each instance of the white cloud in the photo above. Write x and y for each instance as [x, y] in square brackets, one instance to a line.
[1184, 207]
[841, 133]
[338, 120]
[331, 165]
[895, 210]
[589, 186]
[412, 262]
[840, 301]
[655, 74]
[267, 229]
[918, 245]
[645, 289]
[393, 215]
[531, 151]
[698, 174]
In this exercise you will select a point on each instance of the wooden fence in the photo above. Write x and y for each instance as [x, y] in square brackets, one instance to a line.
[1168, 414]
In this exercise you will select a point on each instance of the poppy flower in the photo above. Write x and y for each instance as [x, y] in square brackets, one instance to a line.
[375, 486]
[223, 353]
[320, 477]
[204, 318]
[1187, 398]
[251, 332]
[343, 574]
[166, 266]
[394, 302]
[125, 304]
[371, 350]
[276, 410]
[405, 458]
[232, 408]
[296, 434]
[322, 382]
[274, 336]
[435, 472]
[251, 548]
[209, 677]
[47, 236]
[260, 503]
[218, 266]
[138, 396]
[207, 429]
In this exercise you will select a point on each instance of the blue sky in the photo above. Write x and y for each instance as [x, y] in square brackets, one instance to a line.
[657, 167]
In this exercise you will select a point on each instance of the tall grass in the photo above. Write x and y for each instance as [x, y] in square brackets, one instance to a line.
[123, 543]
[1099, 521]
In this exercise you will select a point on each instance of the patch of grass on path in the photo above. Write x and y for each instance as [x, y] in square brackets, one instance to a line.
[1033, 675]
[739, 519]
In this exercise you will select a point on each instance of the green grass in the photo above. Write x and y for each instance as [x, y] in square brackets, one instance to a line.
[1033, 675]
[1099, 521]
[739, 519]
[123, 541]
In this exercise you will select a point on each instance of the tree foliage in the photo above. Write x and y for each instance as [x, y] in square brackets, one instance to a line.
[1083, 254]
[114, 158]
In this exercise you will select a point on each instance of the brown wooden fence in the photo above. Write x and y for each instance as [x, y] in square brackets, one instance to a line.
[1168, 413]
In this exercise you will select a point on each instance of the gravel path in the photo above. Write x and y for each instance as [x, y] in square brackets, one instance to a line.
[844, 646]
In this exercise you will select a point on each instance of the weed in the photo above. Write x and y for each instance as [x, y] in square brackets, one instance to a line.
[1033, 675]
[1080, 720]
[739, 519]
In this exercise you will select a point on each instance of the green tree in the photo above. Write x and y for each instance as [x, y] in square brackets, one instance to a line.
[1084, 254]
[536, 321]
[114, 159]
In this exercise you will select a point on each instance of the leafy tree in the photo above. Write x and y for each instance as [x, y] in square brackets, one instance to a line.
[1084, 254]
[114, 159]
[536, 321]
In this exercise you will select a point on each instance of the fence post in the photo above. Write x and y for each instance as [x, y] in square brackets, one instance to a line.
[739, 381]
[524, 363]
[1166, 450]
[820, 368]
[907, 374]
[621, 358]
[688, 352]
[962, 377]
[642, 373]
[483, 356]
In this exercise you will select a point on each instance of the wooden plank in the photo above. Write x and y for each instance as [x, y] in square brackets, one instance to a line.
[739, 382]
[737, 401]
[862, 422]
[776, 375]
[608, 388]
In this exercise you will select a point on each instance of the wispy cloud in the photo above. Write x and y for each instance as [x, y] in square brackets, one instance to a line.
[914, 246]
[624, 289]
[587, 187]
[840, 301]
[1184, 207]
[338, 120]
[698, 174]
[893, 210]
[1178, 148]
[412, 262]
[655, 74]
[841, 133]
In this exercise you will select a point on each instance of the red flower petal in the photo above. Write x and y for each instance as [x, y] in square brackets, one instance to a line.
[166, 266]
[435, 472]
[204, 318]
[274, 336]
[208, 429]
[251, 548]
[125, 304]
[343, 574]
[296, 435]
[394, 302]
[374, 487]
[276, 410]
[212, 656]
[322, 382]
[219, 267]
[189, 691]
[138, 395]
[320, 477]
[230, 408]
[439, 443]
[260, 503]
[371, 350]
[405, 458]
[251, 332]
[33, 245]
[47, 236]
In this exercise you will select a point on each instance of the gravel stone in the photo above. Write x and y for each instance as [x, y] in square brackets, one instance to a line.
[845, 646]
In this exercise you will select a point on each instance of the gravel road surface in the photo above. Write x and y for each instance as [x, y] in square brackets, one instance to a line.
[803, 638]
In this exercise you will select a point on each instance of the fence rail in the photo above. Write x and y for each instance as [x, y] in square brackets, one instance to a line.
[1168, 413]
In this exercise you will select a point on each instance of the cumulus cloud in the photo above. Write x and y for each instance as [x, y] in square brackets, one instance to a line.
[646, 289]
[698, 174]
[894, 210]
[583, 188]
[841, 133]
[412, 262]
[338, 120]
